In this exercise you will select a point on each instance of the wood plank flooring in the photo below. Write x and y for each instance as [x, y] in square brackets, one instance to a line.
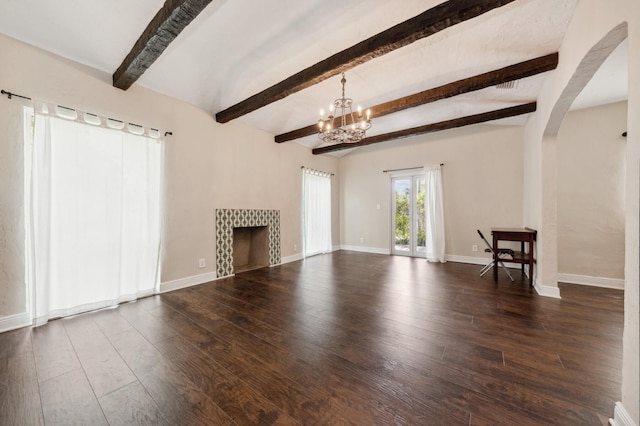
[345, 338]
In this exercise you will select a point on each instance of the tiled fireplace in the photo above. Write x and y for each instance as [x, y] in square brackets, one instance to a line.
[246, 222]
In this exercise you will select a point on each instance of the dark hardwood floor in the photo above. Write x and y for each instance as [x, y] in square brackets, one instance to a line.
[347, 338]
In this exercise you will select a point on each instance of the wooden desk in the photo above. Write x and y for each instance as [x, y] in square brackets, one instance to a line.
[524, 235]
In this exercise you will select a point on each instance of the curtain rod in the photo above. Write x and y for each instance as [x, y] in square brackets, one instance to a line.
[303, 167]
[407, 168]
[10, 95]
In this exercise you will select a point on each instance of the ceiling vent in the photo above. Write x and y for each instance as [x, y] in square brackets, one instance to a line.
[507, 85]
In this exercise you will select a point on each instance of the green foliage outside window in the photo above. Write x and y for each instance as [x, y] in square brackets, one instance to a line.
[421, 219]
[402, 218]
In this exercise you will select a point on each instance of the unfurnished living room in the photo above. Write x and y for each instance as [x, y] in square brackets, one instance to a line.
[316, 213]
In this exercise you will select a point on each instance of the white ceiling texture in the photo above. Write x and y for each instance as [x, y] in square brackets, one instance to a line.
[237, 48]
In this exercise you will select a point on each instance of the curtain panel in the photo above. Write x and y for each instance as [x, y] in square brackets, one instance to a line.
[434, 212]
[316, 212]
[95, 199]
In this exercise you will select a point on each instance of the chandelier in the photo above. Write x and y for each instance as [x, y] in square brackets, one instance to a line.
[341, 126]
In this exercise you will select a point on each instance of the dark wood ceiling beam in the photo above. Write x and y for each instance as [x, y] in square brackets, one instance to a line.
[478, 82]
[170, 20]
[434, 127]
[427, 23]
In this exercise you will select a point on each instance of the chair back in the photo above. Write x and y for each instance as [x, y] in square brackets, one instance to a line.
[485, 241]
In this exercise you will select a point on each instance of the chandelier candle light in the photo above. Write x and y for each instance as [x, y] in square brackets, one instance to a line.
[345, 129]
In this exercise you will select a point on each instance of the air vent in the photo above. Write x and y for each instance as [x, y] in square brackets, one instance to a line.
[507, 85]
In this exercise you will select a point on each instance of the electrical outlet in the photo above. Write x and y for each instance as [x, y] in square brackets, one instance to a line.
[201, 263]
[474, 247]
[295, 247]
[362, 239]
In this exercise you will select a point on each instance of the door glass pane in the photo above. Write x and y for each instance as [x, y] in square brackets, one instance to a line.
[420, 216]
[402, 218]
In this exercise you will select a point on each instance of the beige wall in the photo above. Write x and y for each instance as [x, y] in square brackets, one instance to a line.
[207, 165]
[482, 180]
[591, 171]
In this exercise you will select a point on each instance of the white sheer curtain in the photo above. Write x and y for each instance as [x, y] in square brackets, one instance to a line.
[95, 217]
[316, 212]
[434, 212]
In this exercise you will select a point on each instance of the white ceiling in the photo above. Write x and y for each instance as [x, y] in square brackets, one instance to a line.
[237, 48]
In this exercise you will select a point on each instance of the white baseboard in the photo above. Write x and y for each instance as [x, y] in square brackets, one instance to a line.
[467, 259]
[546, 290]
[373, 250]
[477, 260]
[300, 256]
[187, 282]
[12, 322]
[449, 257]
[292, 258]
[615, 283]
[621, 417]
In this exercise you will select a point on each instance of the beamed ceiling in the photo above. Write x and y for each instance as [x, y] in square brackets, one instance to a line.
[420, 65]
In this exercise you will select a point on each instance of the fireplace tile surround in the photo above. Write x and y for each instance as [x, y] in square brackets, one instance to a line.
[227, 219]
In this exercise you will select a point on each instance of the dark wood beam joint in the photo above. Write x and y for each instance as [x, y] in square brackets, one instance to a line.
[434, 127]
[427, 23]
[171, 19]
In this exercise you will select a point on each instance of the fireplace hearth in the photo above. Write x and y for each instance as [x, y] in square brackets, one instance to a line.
[250, 248]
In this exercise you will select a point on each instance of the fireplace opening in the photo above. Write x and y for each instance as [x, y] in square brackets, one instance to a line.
[250, 248]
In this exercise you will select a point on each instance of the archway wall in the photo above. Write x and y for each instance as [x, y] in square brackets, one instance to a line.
[594, 31]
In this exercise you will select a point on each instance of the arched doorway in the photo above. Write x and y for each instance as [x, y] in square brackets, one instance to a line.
[585, 58]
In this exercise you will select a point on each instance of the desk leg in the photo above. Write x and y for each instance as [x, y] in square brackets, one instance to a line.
[495, 258]
[531, 262]
[522, 251]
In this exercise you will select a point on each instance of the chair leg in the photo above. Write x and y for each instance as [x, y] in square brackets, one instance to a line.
[486, 268]
[506, 270]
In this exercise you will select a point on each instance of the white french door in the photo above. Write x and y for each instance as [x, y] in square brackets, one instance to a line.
[408, 216]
